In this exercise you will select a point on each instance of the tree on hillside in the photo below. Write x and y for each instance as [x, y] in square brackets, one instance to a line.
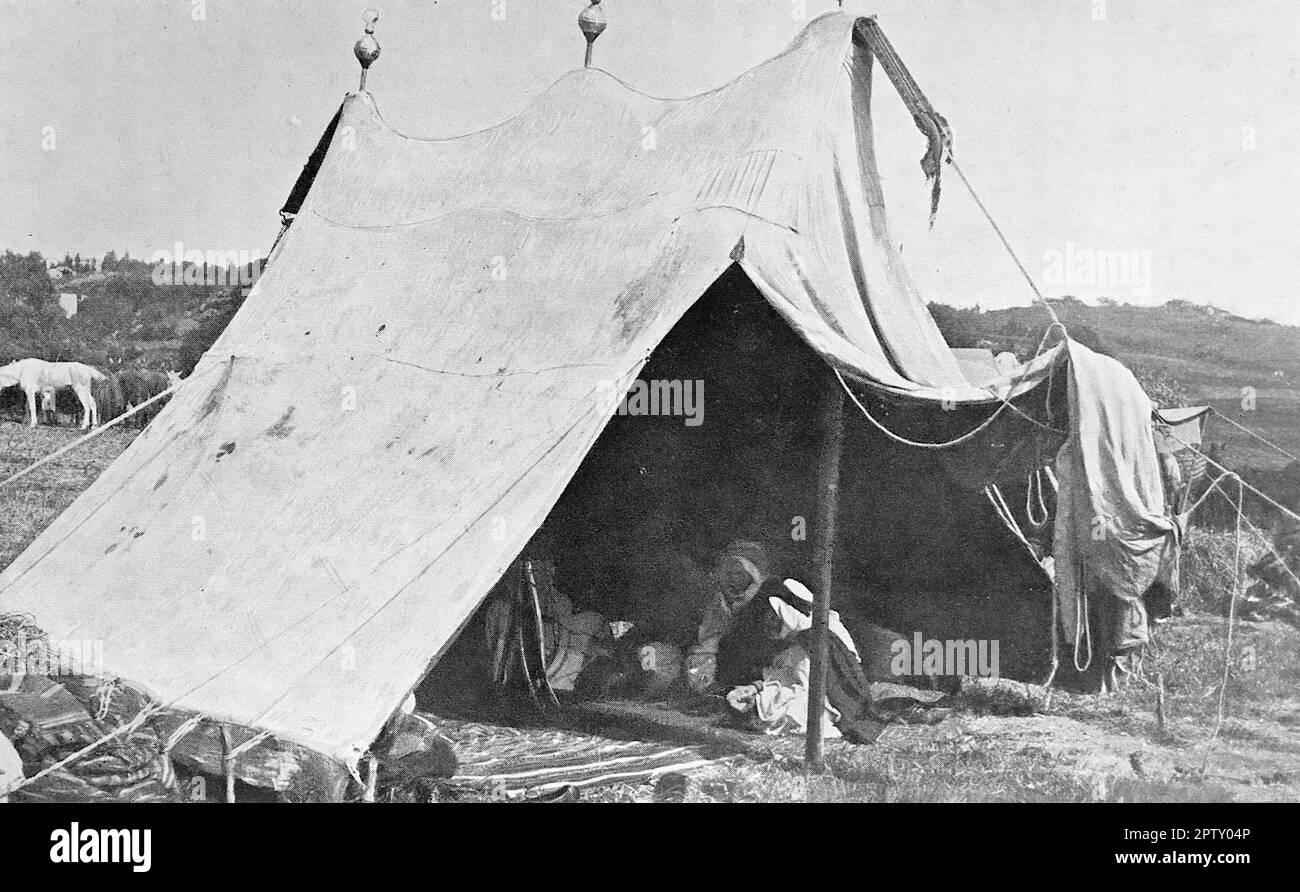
[1067, 302]
[959, 327]
[128, 293]
[24, 281]
[212, 325]
[110, 260]
[102, 316]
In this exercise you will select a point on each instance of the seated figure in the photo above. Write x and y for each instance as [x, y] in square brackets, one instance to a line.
[571, 639]
[746, 648]
[776, 699]
[737, 577]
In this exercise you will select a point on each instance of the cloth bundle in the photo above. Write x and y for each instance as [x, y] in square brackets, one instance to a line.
[411, 751]
[47, 721]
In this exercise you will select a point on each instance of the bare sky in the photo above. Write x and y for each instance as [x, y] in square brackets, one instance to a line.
[1165, 129]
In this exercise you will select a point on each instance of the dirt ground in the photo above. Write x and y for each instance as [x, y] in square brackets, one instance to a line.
[1001, 746]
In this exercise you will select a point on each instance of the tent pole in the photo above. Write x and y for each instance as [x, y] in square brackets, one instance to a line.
[828, 502]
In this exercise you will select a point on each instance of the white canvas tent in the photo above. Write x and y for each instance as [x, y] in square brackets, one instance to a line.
[439, 339]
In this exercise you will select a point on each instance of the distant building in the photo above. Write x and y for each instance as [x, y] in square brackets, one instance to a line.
[68, 303]
[61, 272]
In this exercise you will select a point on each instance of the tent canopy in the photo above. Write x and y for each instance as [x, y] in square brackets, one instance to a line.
[441, 336]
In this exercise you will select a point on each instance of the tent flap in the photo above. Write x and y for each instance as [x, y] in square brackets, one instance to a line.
[1112, 536]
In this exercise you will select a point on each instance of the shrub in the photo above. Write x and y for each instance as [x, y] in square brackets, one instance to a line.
[1208, 567]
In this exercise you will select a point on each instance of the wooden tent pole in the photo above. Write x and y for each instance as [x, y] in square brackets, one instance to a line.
[828, 502]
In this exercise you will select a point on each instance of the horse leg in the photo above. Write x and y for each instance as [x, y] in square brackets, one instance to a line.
[31, 404]
[87, 406]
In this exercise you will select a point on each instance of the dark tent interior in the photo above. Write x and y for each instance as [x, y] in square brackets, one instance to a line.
[919, 548]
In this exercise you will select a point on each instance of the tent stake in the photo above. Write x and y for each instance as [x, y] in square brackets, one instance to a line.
[828, 499]
[372, 777]
[228, 762]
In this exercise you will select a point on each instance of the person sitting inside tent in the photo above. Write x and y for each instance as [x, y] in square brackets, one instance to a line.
[745, 649]
[738, 574]
[571, 639]
[727, 644]
[777, 700]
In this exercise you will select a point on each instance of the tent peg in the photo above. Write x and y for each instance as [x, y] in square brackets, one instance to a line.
[372, 777]
[228, 761]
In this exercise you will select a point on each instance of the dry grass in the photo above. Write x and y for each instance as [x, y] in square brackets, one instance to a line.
[1208, 567]
[31, 504]
[961, 767]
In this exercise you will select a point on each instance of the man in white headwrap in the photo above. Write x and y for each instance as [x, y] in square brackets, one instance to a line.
[778, 702]
[741, 572]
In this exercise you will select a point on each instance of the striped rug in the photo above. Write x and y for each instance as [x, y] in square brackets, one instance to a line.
[514, 762]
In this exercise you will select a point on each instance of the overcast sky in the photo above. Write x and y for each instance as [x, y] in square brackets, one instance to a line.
[1166, 129]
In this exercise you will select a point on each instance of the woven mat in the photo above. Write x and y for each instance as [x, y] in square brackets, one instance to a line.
[514, 761]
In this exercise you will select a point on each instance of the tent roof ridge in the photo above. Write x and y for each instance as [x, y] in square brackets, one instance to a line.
[600, 77]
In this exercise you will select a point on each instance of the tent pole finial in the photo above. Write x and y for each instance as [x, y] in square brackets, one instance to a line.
[592, 22]
[367, 48]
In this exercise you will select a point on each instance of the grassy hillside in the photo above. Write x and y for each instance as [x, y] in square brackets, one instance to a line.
[1182, 353]
[124, 318]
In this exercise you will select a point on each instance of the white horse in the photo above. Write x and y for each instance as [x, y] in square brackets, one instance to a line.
[35, 375]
